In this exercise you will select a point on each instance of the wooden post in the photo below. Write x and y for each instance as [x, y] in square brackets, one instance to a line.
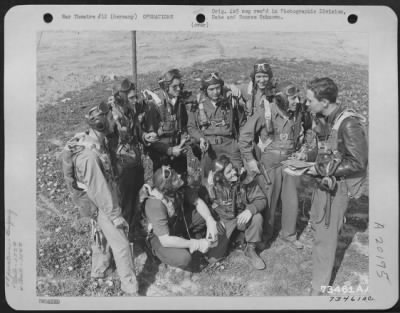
[134, 60]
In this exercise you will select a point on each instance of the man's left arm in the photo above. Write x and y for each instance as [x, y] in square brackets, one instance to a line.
[256, 203]
[192, 198]
[256, 198]
[204, 211]
[355, 154]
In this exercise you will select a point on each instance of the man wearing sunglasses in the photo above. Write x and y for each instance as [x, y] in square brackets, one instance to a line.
[340, 166]
[90, 177]
[284, 122]
[215, 120]
[238, 202]
[165, 124]
[177, 219]
[128, 113]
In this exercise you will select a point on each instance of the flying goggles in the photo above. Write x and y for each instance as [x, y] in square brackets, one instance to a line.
[212, 76]
[102, 109]
[289, 91]
[261, 67]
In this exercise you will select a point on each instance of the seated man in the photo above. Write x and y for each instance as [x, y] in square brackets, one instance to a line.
[175, 217]
[238, 203]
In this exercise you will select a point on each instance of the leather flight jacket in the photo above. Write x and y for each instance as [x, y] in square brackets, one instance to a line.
[350, 141]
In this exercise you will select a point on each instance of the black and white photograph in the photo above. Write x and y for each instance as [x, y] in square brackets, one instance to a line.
[174, 130]
[211, 163]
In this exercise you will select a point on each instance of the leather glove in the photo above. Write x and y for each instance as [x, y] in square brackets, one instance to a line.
[253, 167]
[98, 236]
[100, 240]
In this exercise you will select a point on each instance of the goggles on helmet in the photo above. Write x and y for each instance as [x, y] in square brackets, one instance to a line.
[212, 76]
[261, 67]
[102, 109]
[289, 91]
[170, 75]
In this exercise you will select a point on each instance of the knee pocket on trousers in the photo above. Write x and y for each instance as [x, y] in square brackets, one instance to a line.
[257, 219]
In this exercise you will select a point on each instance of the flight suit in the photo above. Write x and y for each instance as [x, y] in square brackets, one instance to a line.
[168, 118]
[229, 202]
[91, 180]
[284, 135]
[218, 124]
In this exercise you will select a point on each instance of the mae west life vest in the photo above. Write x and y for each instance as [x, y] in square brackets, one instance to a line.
[206, 121]
[229, 201]
[76, 187]
[73, 147]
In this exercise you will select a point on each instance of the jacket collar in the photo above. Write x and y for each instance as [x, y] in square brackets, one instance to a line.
[332, 117]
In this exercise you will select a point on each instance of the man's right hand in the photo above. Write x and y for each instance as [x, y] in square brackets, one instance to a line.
[194, 245]
[204, 245]
[201, 245]
[253, 166]
[203, 144]
[177, 150]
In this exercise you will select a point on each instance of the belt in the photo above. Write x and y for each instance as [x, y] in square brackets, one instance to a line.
[218, 123]
[217, 140]
[278, 151]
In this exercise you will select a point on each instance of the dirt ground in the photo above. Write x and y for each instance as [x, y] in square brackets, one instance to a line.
[76, 70]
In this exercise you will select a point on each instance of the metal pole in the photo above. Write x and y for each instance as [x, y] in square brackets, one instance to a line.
[134, 59]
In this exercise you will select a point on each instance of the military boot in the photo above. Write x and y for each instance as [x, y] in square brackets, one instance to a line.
[292, 241]
[130, 286]
[255, 260]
